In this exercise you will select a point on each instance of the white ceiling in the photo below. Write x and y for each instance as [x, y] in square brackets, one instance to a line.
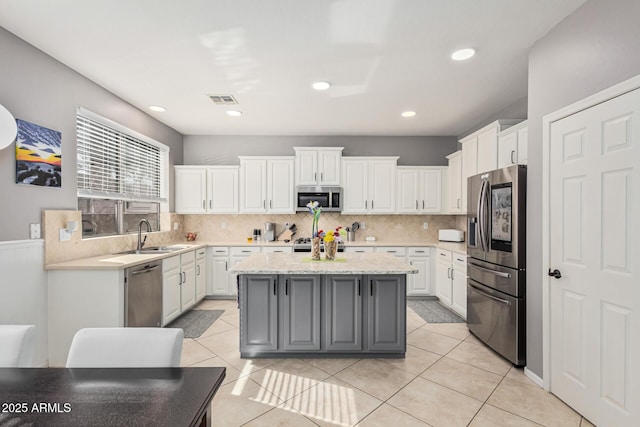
[382, 57]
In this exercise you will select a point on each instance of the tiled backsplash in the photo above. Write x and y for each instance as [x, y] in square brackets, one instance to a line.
[212, 228]
[57, 251]
[390, 228]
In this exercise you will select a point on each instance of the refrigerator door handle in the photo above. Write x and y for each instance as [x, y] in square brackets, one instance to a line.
[504, 301]
[486, 214]
[488, 270]
[482, 217]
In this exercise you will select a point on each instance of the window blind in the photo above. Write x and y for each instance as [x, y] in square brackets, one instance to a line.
[115, 162]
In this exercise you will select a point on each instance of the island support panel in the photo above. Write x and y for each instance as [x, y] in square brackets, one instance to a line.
[327, 315]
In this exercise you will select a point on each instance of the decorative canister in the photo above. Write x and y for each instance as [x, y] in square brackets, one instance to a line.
[315, 249]
[330, 250]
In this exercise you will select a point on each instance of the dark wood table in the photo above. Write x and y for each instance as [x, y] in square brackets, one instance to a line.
[108, 396]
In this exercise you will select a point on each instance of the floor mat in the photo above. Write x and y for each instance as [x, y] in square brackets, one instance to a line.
[195, 322]
[432, 311]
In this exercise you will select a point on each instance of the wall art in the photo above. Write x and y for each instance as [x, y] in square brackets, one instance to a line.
[38, 155]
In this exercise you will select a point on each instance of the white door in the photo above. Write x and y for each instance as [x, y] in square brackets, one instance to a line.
[594, 243]
[280, 186]
[407, 191]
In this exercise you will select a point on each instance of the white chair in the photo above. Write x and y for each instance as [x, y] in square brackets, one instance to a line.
[126, 348]
[16, 345]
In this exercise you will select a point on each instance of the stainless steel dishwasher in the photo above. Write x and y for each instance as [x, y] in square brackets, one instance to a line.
[143, 295]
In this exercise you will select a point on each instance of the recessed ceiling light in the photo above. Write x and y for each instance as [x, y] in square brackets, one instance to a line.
[321, 85]
[462, 54]
[234, 113]
[408, 114]
[158, 108]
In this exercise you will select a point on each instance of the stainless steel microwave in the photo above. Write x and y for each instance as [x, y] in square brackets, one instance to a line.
[330, 198]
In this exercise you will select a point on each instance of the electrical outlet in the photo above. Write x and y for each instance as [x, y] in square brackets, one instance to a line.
[425, 225]
[176, 226]
[363, 226]
[34, 231]
[223, 225]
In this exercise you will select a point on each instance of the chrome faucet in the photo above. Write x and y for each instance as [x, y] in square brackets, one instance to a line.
[140, 241]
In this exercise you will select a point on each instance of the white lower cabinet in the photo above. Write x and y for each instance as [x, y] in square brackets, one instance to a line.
[218, 283]
[178, 285]
[459, 284]
[451, 280]
[201, 273]
[419, 284]
[358, 249]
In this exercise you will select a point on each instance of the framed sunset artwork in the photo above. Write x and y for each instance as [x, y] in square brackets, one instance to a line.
[38, 155]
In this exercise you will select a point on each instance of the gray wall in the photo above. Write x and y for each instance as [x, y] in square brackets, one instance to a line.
[37, 88]
[592, 49]
[413, 150]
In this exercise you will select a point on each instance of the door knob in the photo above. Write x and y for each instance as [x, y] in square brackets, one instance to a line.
[555, 273]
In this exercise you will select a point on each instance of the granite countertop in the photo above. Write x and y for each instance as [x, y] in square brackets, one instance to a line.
[119, 261]
[297, 263]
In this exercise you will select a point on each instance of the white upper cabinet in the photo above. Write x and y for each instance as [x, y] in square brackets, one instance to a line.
[454, 183]
[222, 189]
[369, 184]
[488, 150]
[318, 165]
[266, 184]
[419, 189]
[206, 189]
[190, 189]
[512, 145]
[480, 154]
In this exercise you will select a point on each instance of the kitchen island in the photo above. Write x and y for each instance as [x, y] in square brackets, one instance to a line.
[353, 306]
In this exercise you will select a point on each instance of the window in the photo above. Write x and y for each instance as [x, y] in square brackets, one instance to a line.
[117, 167]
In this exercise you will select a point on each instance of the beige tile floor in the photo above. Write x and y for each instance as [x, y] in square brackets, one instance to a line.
[448, 378]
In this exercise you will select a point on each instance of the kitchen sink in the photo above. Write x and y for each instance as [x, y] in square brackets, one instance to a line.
[155, 250]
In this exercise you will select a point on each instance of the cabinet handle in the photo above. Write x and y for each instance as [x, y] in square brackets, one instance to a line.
[372, 204]
[416, 205]
[448, 273]
[274, 287]
[419, 252]
[458, 203]
[198, 269]
[459, 259]
[512, 160]
[226, 266]
[392, 252]
[423, 204]
[245, 252]
[315, 176]
[358, 287]
[204, 206]
[270, 204]
[180, 280]
[210, 204]
[371, 283]
[185, 277]
[321, 176]
[264, 204]
[452, 273]
[366, 203]
[286, 287]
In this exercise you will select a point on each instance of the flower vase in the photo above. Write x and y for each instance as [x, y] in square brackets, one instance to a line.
[315, 249]
[330, 250]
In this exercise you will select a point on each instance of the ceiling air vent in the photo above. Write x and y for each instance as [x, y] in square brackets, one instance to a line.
[223, 99]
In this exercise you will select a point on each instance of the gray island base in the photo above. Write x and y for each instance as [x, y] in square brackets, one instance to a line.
[354, 306]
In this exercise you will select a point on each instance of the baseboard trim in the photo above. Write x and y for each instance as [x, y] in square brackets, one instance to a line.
[533, 377]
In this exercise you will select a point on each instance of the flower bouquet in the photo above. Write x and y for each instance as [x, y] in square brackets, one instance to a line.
[315, 209]
[331, 239]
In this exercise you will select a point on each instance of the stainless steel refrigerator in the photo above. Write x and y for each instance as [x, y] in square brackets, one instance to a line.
[496, 249]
